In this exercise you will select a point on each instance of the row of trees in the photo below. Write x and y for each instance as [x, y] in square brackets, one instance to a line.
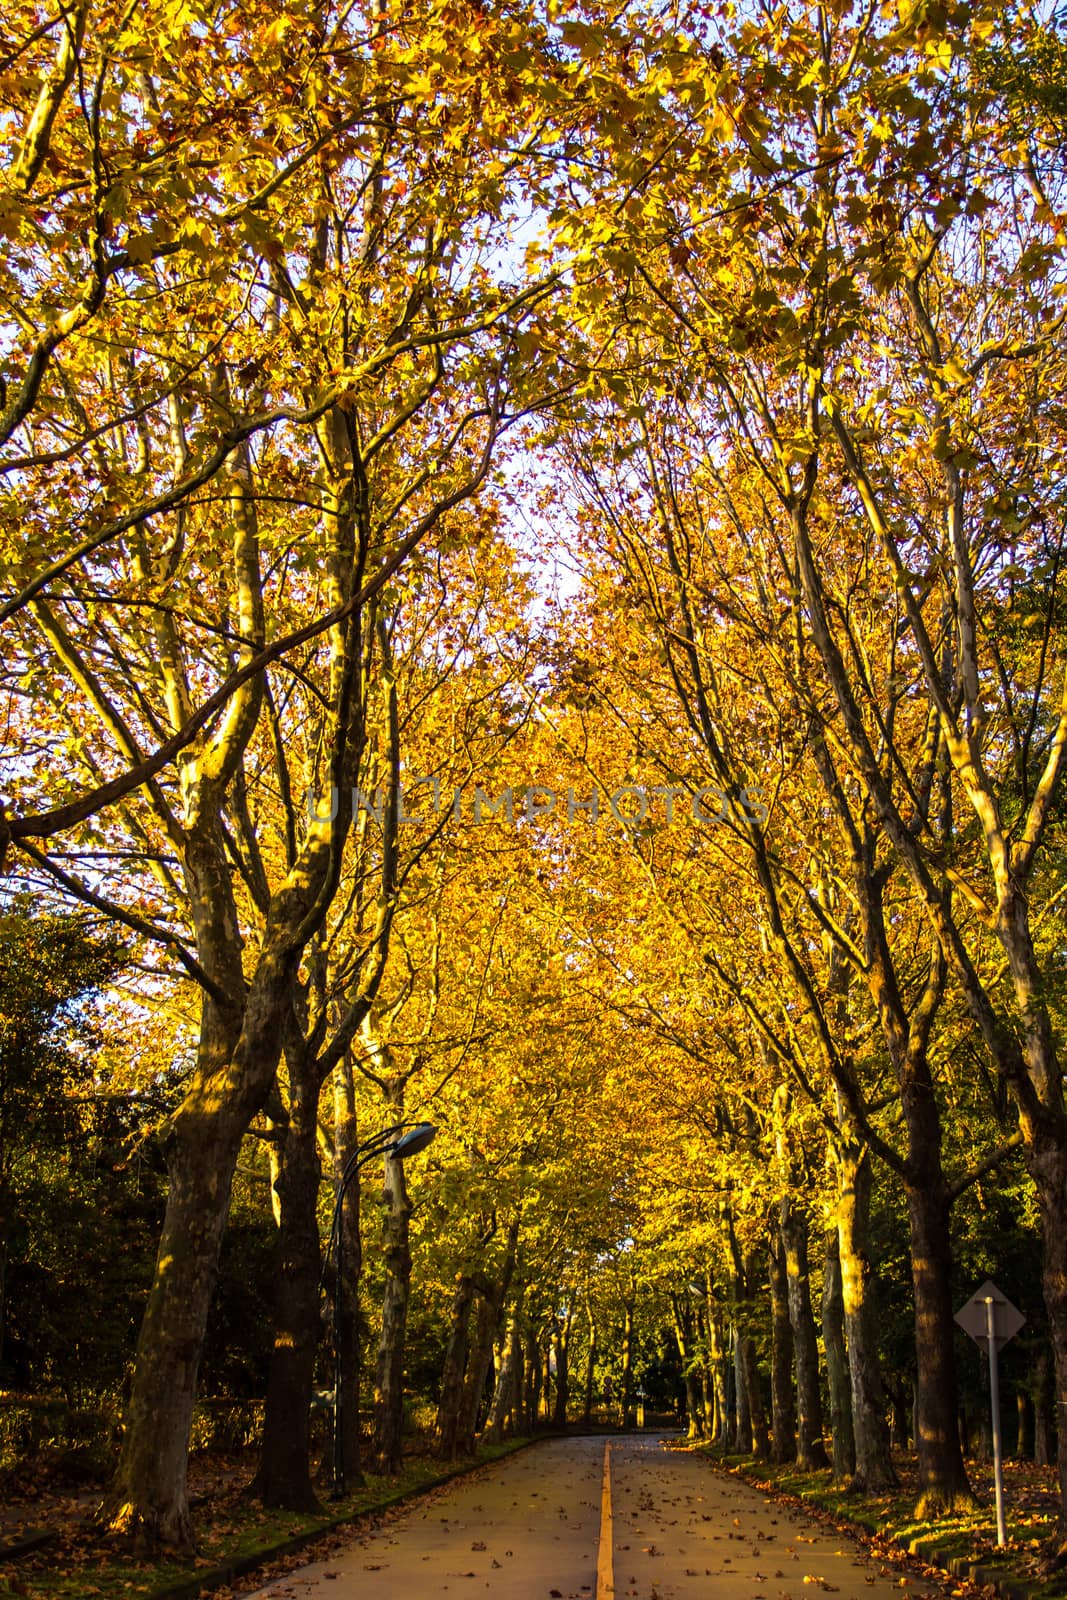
[511, 1255]
[497, 1238]
[825, 555]
[755, 319]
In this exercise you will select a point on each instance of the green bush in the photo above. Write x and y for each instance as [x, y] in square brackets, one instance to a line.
[226, 1425]
[54, 1437]
[49, 1437]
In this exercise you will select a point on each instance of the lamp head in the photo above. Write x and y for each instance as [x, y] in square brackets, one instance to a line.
[414, 1140]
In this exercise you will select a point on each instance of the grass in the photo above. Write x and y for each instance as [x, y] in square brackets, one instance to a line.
[967, 1536]
[83, 1564]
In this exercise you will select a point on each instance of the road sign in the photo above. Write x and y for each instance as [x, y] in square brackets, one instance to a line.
[973, 1318]
[991, 1319]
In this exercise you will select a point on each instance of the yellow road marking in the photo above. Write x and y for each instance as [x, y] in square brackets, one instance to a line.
[605, 1565]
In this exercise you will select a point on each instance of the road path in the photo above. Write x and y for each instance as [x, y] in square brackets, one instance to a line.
[586, 1519]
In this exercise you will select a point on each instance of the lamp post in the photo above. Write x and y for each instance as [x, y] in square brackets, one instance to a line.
[401, 1140]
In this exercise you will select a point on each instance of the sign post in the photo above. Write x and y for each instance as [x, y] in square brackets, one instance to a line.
[991, 1320]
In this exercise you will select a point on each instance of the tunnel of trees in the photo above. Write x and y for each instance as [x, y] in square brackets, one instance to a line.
[532, 601]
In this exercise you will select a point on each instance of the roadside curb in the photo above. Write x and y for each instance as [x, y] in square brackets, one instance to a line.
[240, 1566]
[23, 1543]
[1005, 1584]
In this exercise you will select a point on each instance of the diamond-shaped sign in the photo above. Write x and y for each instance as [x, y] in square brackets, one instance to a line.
[973, 1317]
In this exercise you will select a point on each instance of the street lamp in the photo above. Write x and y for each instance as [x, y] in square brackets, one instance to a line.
[401, 1140]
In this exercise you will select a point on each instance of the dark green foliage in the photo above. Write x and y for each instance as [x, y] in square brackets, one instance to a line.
[63, 1214]
[82, 1190]
[237, 1348]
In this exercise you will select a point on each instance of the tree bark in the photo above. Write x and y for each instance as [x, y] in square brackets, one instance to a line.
[717, 1360]
[1022, 1424]
[450, 1406]
[562, 1345]
[898, 1412]
[492, 1299]
[514, 1418]
[694, 1404]
[507, 1381]
[352, 1331]
[757, 1415]
[534, 1383]
[783, 1416]
[874, 1464]
[1047, 1161]
[707, 1402]
[833, 1338]
[148, 1498]
[479, 1363]
[682, 1317]
[1041, 1389]
[3, 1283]
[284, 1475]
[629, 1415]
[811, 1453]
[389, 1371]
[590, 1368]
[742, 1429]
[942, 1474]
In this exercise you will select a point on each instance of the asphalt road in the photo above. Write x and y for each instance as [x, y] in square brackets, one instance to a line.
[555, 1523]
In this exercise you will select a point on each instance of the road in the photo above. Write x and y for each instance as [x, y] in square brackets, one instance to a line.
[589, 1519]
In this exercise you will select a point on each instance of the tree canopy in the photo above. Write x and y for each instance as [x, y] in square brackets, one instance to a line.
[532, 591]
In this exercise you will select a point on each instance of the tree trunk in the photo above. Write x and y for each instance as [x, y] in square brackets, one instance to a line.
[514, 1419]
[717, 1360]
[783, 1417]
[492, 1299]
[681, 1313]
[629, 1415]
[238, 1053]
[1022, 1424]
[389, 1372]
[1047, 1162]
[1041, 1390]
[450, 1406]
[811, 1453]
[352, 1330]
[284, 1475]
[479, 1363]
[942, 1475]
[148, 1499]
[874, 1464]
[535, 1389]
[761, 1444]
[3, 1285]
[507, 1380]
[590, 1369]
[707, 1402]
[833, 1338]
[562, 1345]
[694, 1404]
[898, 1412]
[742, 1431]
